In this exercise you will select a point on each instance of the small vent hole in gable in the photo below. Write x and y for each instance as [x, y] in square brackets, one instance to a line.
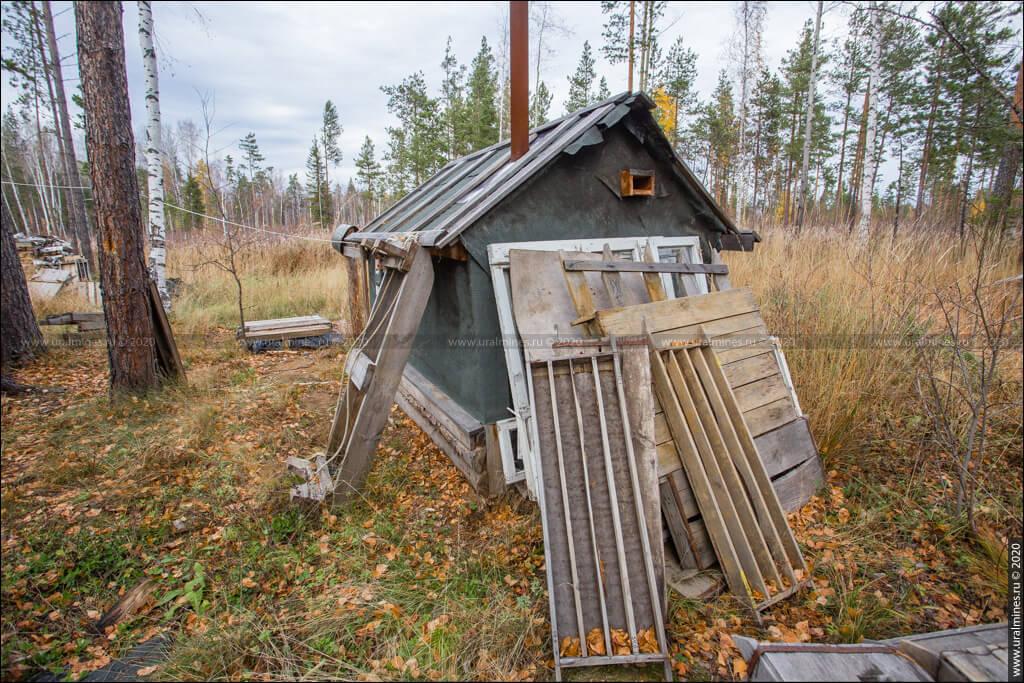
[637, 183]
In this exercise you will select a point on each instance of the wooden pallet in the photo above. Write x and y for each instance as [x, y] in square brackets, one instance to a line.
[754, 367]
[598, 536]
[742, 515]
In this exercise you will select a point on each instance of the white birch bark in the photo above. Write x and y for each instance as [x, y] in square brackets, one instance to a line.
[154, 164]
[870, 164]
[17, 198]
[805, 167]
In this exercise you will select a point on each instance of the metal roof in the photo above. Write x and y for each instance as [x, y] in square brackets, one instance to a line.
[467, 188]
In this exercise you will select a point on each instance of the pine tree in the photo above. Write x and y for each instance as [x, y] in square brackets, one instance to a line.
[193, 199]
[481, 105]
[581, 83]
[416, 147]
[718, 120]
[602, 90]
[849, 75]
[678, 75]
[316, 186]
[330, 130]
[809, 123]
[540, 105]
[767, 114]
[368, 171]
[642, 43]
[127, 311]
[453, 103]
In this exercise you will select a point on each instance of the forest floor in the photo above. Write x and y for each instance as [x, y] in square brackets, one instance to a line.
[418, 577]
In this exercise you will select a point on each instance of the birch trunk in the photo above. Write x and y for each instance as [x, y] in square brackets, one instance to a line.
[864, 226]
[154, 164]
[17, 198]
[802, 207]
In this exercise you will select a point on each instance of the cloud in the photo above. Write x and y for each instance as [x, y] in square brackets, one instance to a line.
[271, 66]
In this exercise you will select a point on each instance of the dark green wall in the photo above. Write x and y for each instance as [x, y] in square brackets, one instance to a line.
[458, 346]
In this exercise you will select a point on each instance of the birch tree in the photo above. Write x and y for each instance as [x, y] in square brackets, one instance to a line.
[746, 54]
[868, 179]
[154, 163]
[802, 205]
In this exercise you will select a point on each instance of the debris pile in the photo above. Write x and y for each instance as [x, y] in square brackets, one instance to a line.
[52, 264]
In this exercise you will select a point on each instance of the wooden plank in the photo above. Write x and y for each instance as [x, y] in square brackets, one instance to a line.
[582, 298]
[721, 281]
[831, 665]
[611, 278]
[291, 333]
[466, 429]
[712, 329]
[797, 485]
[399, 323]
[652, 281]
[644, 267]
[747, 370]
[700, 481]
[689, 380]
[300, 321]
[785, 447]
[678, 532]
[762, 392]
[495, 470]
[661, 430]
[668, 459]
[361, 372]
[742, 344]
[770, 416]
[743, 454]
[676, 313]
[86, 317]
[976, 664]
[168, 358]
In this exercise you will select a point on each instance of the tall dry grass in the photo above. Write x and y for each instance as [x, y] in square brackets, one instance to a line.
[849, 316]
[280, 278]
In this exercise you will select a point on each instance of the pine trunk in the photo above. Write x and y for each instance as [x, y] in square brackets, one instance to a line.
[809, 114]
[124, 278]
[1009, 162]
[864, 226]
[76, 209]
[19, 332]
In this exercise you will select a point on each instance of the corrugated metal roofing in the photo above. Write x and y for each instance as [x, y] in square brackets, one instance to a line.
[467, 188]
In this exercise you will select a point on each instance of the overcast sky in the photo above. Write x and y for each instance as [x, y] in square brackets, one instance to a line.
[271, 65]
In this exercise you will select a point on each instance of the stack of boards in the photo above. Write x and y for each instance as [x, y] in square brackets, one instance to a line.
[86, 321]
[287, 328]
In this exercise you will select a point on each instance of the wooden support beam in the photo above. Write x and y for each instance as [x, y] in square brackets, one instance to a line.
[645, 267]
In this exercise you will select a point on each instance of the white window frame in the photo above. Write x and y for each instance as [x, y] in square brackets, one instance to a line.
[522, 410]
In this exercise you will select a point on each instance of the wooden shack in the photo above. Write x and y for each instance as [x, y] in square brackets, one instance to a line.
[603, 175]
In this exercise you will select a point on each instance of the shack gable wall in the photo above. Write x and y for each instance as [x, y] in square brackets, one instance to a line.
[459, 342]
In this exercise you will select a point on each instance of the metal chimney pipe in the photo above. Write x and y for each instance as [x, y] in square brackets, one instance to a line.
[519, 18]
